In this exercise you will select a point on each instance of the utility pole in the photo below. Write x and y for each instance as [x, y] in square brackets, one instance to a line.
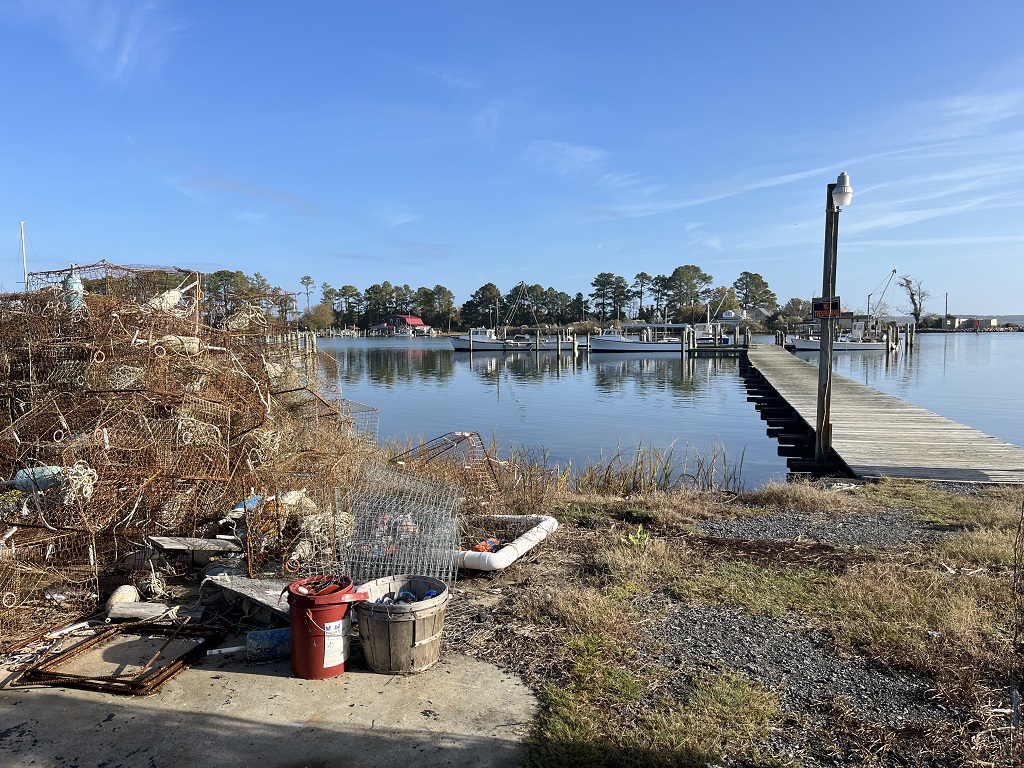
[836, 195]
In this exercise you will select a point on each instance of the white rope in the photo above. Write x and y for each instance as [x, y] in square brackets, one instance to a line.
[79, 482]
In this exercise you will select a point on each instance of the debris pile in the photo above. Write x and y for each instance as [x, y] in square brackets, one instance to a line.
[131, 406]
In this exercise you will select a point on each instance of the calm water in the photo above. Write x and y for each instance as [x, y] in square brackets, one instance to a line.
[591, 408]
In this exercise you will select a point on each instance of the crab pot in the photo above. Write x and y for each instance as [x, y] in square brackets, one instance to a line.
[402, 637]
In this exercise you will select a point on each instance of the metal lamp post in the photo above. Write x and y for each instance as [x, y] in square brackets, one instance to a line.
[836, 196]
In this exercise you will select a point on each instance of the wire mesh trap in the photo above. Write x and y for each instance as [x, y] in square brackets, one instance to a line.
[402, 523]
[133, 404]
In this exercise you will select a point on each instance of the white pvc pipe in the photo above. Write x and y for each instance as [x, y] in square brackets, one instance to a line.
[543, 525]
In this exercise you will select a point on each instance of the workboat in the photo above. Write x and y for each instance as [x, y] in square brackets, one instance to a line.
[487, 340]
[868, 334]
[666, 337]
[862, 337]
[711, 334]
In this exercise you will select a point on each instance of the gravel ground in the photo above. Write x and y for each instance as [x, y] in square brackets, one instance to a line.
[813, 680]
[801, 664]
[888, 530]
[841, 710]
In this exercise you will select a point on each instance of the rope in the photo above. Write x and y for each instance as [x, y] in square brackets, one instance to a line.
[79, 482]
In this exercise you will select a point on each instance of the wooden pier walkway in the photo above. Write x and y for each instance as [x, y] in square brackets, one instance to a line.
[877, 435]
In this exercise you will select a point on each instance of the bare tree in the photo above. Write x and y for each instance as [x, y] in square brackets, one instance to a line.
[916, 294]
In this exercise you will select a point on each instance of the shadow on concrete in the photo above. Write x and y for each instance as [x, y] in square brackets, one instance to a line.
[460, 712]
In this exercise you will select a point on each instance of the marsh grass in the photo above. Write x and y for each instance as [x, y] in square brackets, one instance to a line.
[643, 471]
[981, 526]
[936, 503]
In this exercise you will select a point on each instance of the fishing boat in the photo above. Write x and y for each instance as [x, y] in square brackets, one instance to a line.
[867, 334]
[711, 334]
[863, 336]
[487, 340]
[641, 337]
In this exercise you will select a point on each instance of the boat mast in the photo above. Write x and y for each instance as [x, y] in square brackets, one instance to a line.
[24, 260]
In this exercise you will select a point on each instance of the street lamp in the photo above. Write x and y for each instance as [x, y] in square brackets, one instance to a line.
[836, 196]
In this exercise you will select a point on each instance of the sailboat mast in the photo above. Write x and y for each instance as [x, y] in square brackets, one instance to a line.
[24, 259]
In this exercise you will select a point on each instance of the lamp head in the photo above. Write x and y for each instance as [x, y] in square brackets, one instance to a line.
[843, 193]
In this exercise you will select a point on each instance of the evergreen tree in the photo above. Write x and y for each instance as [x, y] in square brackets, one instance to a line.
[603, 294]
[640, 283]
[752, 291]
[689, 286]
[480, 309]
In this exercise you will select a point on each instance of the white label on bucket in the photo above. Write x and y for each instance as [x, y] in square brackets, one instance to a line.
[336, 636]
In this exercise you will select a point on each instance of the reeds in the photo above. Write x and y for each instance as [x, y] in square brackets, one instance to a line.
[529, 479]
[650, 469]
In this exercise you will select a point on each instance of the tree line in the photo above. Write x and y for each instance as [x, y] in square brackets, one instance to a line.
[687, 294]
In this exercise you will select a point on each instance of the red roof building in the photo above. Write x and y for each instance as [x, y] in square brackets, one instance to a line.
[400, 320]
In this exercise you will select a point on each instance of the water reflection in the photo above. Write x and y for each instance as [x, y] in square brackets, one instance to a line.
[577, 408]
[970, 378]
[586, 407]
[389, 364]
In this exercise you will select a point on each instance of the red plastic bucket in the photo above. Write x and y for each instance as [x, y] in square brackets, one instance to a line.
[320, 625]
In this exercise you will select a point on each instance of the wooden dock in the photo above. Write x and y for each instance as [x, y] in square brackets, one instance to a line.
[877, 435]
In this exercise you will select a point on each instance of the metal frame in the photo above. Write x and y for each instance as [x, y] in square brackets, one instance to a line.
[147, 681]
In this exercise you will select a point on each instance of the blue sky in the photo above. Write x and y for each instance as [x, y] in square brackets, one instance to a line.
[458, 143]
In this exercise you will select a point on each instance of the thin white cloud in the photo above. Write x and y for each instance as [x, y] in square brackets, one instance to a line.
[565, 159]
[394, 217]
[652, 206]
[486, 121]
[115, 39]
[963, 115]
[932, 242]
[252, 216]
[196, 187]
[455, 82]
[980, 156]
[892, 219]
[635, 210]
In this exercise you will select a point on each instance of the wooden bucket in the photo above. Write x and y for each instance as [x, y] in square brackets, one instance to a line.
[401, 637]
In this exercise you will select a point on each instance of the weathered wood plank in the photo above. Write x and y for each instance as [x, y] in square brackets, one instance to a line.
[878, 435]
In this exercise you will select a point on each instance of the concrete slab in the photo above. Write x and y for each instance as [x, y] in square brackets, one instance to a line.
[224, 712]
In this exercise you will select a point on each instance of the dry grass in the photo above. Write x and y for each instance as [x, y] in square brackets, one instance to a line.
[980, 547]
[990, 507]
[926, 619]
[803, 496]
[579, 617]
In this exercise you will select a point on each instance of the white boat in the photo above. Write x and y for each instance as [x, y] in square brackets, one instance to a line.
[711, 334]
[647, 338]
[859, 338]
[487, 340]
[869, 334]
